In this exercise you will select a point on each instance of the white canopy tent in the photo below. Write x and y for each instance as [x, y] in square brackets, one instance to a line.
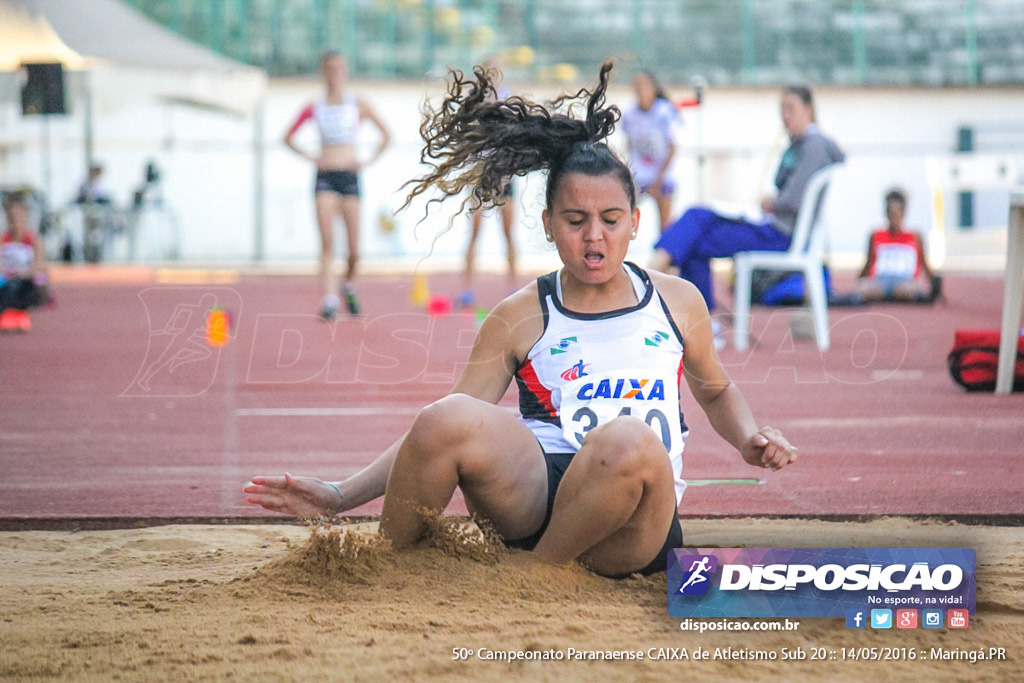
[116, 58]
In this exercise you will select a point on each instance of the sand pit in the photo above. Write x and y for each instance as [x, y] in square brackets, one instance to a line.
[277, 603]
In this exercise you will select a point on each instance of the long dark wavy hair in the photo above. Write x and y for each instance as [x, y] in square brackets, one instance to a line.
[473, 140]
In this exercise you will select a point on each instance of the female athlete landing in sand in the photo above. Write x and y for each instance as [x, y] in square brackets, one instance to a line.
[592, 469]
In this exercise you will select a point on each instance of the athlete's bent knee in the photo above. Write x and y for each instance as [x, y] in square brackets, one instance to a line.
[445, 424]
[626, 445]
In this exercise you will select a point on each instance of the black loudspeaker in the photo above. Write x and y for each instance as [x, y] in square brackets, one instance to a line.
[43, 92]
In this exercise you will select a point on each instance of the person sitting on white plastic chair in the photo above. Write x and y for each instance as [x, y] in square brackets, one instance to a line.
[703, 233]
[804, 256]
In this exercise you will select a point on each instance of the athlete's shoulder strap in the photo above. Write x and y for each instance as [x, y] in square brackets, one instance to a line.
[641, 273]
[646, 278]
[547, 285]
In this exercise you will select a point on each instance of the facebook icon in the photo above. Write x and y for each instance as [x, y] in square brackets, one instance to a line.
[856, 618]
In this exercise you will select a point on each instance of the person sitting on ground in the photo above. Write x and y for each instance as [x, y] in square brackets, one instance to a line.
[591, 470]
[896, 268]
[23, 279]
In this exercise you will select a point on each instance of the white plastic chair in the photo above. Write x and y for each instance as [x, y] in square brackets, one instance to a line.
[804, 255]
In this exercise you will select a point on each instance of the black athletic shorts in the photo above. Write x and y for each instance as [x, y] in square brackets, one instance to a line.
[21, 293]
[345, 183]
[557, 464]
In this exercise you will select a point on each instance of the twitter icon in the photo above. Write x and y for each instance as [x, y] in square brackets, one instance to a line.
[881, 618]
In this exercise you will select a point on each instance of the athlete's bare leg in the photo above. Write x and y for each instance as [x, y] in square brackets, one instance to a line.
[664, 210]
[470, 263]
[508, 216]
[911, 290]
[479, 447]
[350, 207]
[663, 201]
[615, 504]
[326, 207]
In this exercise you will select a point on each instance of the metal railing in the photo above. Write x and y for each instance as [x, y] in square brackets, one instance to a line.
[871, 42]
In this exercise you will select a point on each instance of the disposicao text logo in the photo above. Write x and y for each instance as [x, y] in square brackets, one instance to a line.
[818, 582]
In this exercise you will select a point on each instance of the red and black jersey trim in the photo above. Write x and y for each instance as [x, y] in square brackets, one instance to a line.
[534, 398]
[679, 381]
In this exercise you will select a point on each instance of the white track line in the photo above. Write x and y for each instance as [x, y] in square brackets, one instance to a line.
[904, 421]
[350, 411]
[355, 411]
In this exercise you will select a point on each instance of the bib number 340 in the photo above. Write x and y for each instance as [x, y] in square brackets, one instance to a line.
[586, 419]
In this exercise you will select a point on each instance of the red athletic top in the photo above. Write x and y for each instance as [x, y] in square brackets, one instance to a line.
[17, 257]
[898, 256]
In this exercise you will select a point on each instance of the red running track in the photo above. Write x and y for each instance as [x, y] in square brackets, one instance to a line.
[114, 407]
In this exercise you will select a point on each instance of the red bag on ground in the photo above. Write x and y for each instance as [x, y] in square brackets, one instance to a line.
[975, 357]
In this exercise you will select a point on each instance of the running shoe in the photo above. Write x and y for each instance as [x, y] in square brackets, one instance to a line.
[9, 321]
[329, 309]
[24, 322]
[351, 301]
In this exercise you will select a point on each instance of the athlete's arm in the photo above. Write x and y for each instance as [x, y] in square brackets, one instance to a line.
[367, 112]
[870, 258]
[925, 269]
[312, 497]
[670, 139]
[711, 386]
[660, 178]
[39, 271]
[289, 138]
[503, 337]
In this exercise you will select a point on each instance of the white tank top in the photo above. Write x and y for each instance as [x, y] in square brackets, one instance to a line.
[338, 123]
[588, 368]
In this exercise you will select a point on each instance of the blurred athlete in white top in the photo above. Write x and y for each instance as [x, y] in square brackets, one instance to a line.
[337, 117]
[648, 125]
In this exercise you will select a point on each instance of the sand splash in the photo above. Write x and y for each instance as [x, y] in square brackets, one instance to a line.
[343, 553]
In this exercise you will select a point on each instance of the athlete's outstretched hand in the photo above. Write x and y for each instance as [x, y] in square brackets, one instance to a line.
[768, 448]
[296, 496]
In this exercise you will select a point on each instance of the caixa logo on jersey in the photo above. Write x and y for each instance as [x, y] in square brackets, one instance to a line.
[637, 389]
[816, 582]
